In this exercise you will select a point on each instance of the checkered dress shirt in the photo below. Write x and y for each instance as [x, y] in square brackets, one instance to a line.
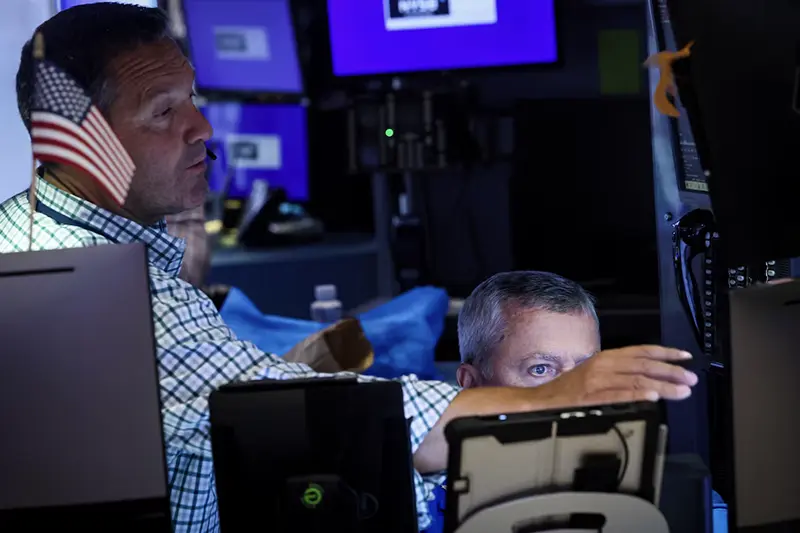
[196, 351]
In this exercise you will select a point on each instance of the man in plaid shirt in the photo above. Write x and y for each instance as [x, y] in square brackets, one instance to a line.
[142, 83]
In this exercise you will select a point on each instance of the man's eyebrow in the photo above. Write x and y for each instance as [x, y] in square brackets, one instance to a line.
[556, 358]
[157, 94]
[159, 97]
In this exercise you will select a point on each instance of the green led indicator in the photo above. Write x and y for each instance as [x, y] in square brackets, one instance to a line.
[312, 496]
[389, 132]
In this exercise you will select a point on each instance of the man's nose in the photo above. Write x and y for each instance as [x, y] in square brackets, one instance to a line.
[200, 129]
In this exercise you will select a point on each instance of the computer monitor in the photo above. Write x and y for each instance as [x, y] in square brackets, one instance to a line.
[243, 46]
[400, 36]
[259, 142]
[66, 4]
[341, 460]
[82, 443]
[741, 91]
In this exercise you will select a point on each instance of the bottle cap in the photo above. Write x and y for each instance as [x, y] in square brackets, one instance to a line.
[325, 292]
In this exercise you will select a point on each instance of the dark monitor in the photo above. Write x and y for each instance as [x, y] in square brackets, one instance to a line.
[259, 142]
[243, 46]
[315, 456]
[764, 367]
[373, 37]
[82, 445]
[741, 91]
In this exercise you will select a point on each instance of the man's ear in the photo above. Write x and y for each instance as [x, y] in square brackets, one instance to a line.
[467, 376]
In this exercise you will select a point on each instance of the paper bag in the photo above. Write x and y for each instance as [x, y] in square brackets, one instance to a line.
[339, 347]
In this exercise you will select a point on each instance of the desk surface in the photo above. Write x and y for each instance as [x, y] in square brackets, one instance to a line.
[333, 245]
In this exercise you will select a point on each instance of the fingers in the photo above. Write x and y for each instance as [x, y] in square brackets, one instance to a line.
[656, 370]
[652, 388]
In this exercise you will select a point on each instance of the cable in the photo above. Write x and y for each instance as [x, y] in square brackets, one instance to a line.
[366, 499]
[626, 455]
[463, 206]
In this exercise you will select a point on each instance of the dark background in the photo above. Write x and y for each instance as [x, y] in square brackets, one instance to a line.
[569, 189]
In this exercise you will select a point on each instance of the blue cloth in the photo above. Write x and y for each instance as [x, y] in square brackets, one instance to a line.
[436, 507]
[403, 331]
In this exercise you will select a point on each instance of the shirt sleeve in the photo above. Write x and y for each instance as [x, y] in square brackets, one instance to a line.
[197, 353]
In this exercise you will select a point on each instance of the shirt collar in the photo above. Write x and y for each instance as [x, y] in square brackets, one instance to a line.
[163, 250]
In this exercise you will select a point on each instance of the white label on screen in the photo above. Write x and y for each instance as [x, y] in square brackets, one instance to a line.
[247, 43]
[245, 151]
[422, 14]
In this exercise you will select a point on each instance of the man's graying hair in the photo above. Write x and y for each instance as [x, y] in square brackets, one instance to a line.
[83, 41]
[482, 319]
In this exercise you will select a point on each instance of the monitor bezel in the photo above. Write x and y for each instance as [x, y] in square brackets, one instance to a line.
[220, 94]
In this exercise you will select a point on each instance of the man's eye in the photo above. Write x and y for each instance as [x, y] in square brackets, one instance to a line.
[165, 112]
[540, 371]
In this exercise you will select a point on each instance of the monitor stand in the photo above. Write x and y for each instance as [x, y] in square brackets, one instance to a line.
[597, 511]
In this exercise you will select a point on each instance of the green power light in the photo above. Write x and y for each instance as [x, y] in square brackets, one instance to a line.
[312, 496]
[389, 132]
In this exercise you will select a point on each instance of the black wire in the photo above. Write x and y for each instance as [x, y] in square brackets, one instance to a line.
[464, 207]
[626, 455]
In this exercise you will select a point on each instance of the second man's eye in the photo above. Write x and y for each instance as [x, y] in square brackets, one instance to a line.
[540, 370]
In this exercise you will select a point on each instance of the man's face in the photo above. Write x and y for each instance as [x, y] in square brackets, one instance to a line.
[537, 348]
[164, 133]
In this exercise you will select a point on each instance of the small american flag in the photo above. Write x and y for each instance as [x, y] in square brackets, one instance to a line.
[67, 128]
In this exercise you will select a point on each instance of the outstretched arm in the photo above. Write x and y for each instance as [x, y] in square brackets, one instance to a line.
[638, 373]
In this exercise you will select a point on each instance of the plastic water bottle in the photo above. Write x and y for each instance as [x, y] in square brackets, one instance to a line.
[326, 308]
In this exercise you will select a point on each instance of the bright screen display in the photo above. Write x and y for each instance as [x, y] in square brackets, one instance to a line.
[66, 4]
[243, 45]
[394, 36]
[258, 142]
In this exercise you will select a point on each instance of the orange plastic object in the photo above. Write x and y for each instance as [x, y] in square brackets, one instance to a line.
[666, 84]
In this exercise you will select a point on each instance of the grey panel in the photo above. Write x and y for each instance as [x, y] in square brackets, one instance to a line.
[765, 366]
[78, 379]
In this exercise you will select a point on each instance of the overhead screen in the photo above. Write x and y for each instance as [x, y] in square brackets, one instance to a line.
[370, 37]
[65, 4]
[259, 142]
[243, 45]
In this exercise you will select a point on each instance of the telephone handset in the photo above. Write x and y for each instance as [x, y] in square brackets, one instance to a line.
[689, 239]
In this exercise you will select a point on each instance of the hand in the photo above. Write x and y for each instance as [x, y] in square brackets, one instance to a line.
[631, 374]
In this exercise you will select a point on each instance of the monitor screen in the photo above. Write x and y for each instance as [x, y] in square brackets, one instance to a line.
[243, 46]
[259, 142]
[396, 36]
[66, 4]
